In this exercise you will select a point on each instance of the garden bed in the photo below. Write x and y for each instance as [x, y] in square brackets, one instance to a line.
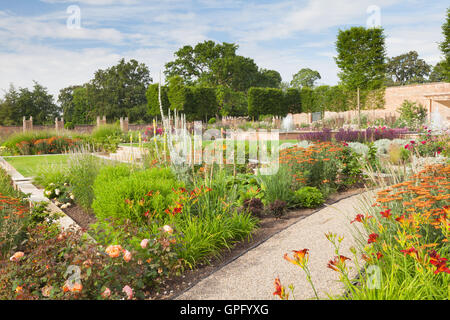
[268, 227]
[80, 216]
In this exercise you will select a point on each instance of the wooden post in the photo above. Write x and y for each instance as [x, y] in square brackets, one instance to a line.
[429, 112]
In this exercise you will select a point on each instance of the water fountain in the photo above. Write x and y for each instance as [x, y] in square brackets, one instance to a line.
[287, 124]
[436, 124]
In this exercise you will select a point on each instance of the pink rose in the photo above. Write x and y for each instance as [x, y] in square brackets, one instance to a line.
[168, 229]
[129, 292]
[144, 243]
[106, 293]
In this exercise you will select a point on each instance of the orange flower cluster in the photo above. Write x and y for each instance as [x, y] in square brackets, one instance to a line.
[13, 206]
[418, 211]
[309, 155]
[299, 159]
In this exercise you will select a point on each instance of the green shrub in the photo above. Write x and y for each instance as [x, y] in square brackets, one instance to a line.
[212, 120]
[122, 192]
[69, 125]
[411, 114]
[107, 137]
[308, 197]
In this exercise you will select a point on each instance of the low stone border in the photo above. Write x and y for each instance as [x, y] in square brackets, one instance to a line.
[36, 195]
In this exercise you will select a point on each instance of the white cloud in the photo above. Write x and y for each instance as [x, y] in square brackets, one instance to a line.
[30, 28]
[283, 35]
[94, 2]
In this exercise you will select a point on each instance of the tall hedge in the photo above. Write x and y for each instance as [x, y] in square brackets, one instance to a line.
[265, 101]
[307, 98]
[153, 100]
[204, 104]
[197, 103]
[292, 100]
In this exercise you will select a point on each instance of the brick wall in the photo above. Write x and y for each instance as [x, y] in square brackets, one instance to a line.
[395, 96]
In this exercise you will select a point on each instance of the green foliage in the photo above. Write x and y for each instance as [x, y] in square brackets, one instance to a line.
[407, 68]
[196, 103]
[231, 103]
[121, 192]
[269, 79]
[263, 101]
[83, 169]
[361, 55]
[204, 103]
[41, 142]
[438, 74]
[445, 46]
[216, 64]
[308, 197]
[412, 114]
[177, 94]
[212, 120]
[107, 136]
[292, 100]
[6, 186]
[351, 171]
[152, 95]
[82, 109]
[23, 102]
[69, 126]
[307, 100]
[371, 158]
[305, 78]
[276, 186]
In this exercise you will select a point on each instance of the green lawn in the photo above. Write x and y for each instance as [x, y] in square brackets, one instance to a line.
[28, 165]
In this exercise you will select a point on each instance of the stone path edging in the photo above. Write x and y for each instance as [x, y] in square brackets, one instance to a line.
[36, 195]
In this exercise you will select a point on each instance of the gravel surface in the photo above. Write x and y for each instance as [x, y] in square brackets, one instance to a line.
[251, 276]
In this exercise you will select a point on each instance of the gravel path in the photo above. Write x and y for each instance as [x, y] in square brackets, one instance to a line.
[251, 276]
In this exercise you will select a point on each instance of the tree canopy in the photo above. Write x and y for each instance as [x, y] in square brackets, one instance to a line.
[445, 47]
[305, 78]
[21, 102]
[407, 68]
[217, 64]
[361, 57]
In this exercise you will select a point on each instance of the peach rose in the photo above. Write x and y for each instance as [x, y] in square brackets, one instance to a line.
[17, 256]
[126, 255]
[46, 290]
[114, 251]
[76, 287]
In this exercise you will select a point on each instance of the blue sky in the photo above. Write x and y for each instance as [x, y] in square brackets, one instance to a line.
[284, 35]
